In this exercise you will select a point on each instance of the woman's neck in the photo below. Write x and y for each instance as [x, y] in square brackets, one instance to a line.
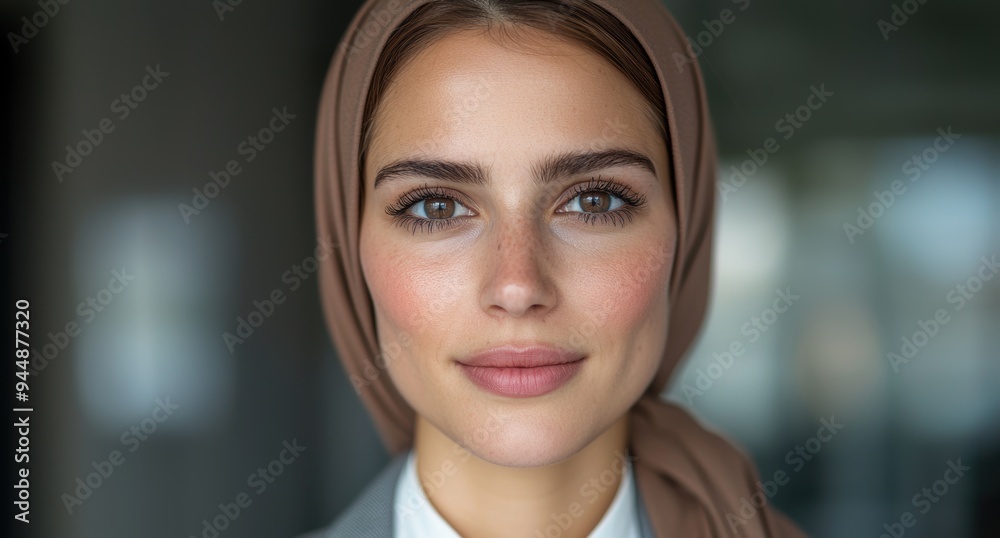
[482, 500]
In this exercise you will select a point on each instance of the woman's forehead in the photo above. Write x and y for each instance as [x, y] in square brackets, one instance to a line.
[467, 93]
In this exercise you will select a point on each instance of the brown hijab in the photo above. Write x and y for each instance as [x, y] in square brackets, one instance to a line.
[692, 481]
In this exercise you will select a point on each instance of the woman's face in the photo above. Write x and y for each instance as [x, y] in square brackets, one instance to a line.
[522, 200]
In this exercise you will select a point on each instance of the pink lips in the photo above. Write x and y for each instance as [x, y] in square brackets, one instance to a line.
[522, 371]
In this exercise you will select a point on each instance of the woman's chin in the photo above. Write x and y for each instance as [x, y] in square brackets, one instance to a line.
[520, 456]
[528, 446]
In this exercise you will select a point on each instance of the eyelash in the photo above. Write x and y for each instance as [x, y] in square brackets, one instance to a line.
[632, 203]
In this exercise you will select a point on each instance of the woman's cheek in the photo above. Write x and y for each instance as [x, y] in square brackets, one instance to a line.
[412, 294]
[627, 293]
[397, 298]
[383, 274]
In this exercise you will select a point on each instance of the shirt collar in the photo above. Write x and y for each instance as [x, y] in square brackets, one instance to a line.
[415, 517]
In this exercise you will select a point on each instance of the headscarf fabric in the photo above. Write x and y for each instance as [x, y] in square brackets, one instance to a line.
[693, 482]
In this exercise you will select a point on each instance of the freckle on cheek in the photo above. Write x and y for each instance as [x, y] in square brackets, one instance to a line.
[633, 297]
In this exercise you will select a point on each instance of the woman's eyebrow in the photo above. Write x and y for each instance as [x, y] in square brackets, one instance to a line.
[544, 172]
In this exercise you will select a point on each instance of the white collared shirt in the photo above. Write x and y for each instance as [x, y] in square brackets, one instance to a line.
[415, 517]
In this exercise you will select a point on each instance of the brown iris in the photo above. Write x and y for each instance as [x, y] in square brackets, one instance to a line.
[439, 208]
[595, 201]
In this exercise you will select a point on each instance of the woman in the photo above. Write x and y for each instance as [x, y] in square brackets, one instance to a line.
[522, 193]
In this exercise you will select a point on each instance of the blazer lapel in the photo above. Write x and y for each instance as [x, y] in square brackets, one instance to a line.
[372, 514]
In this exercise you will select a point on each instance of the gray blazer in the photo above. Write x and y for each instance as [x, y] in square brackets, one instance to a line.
[371, 514]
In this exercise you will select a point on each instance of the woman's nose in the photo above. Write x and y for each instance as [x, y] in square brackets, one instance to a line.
[517, 280]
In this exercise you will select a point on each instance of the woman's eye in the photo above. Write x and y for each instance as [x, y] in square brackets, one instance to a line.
[594, 202]
[598, 202]
[438, 208]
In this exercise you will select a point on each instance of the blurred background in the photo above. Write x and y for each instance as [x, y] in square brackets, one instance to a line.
[855, 285]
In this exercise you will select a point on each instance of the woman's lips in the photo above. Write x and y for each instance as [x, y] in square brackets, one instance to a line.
[521, 371]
